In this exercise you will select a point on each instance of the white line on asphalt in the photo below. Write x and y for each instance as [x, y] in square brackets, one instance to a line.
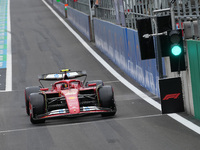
[78, 123]
[9, 52]
[3, 91]
[145, 97]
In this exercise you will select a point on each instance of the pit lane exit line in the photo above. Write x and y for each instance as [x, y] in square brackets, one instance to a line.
[145, 97]
[78, 123]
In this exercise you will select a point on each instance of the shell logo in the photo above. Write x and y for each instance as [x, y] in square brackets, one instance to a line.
[71, 98]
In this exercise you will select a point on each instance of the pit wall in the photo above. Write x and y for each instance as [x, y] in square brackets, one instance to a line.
[59, 6]
[121, 45]
[80, 20]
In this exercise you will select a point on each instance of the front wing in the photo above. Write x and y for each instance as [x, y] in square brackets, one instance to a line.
[65, 112]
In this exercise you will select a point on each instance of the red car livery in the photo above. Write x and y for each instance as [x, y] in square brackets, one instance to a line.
[68, 97]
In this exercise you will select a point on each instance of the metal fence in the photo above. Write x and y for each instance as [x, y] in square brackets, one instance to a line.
[188, 17]
[81, 5]
[187, 12]
[106, 10]
[63, 1]
[137, 9]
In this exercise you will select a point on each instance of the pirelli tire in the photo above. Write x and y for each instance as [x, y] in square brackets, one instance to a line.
[98, 82]
[37, 107]
[28, 91]
[106, 100]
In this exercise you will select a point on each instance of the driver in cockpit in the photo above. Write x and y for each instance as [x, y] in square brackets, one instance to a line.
[64, 86]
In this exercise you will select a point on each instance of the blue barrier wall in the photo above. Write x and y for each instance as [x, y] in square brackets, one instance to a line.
[59, 6]
[80, 20]
[121, 45]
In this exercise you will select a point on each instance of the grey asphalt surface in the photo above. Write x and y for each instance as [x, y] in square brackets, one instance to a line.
[42, 44]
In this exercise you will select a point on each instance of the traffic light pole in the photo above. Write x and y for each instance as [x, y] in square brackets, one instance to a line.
[172, 16]
[159, 57]
[159, 52]
[157, 37]
[91, 22]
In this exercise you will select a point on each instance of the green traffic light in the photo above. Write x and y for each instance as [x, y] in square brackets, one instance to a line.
[176, 50]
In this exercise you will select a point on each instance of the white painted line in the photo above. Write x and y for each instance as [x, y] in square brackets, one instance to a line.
[78, 123]
[9, 52]
[145, 97]
[3, 91]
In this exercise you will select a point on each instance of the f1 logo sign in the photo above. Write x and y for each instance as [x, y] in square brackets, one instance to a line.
[169, 96]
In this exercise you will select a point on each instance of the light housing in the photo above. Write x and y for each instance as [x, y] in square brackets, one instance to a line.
[176, 50]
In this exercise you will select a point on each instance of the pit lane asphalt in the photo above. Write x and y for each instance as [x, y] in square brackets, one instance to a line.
[41, 44]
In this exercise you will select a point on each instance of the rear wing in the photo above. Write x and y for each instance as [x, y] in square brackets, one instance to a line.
[62, 76]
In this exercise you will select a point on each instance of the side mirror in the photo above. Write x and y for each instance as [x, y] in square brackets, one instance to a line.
[44, 89]
[92, 84]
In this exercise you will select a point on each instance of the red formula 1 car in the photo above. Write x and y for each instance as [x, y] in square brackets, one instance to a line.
[68, 97]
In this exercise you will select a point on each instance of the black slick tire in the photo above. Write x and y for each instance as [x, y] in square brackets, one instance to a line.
[28, 91]
[37, 105]
[106, 99]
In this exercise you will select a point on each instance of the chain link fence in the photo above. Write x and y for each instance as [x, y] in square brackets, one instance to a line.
[137, 9]
[63, 1]
[188, 17]
[106, 10]
[81, 5]
[187, 12]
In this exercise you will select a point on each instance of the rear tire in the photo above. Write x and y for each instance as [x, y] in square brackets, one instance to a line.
[37, 106]
[106, 99]
[98, 82]
[28, 91]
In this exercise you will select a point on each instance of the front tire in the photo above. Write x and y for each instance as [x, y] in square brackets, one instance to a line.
[28, 91]
[106, 99]
[37, 107]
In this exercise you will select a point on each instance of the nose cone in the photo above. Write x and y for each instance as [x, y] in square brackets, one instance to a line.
[72, 101]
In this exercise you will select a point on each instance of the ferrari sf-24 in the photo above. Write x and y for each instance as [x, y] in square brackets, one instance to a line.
[68, 96]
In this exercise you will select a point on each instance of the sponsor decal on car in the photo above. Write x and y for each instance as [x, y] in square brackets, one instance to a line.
[70, 92]
[50, 76]
[71, 98]
[59, 111]
[56, 75]
[72, 74]
[90, 108]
